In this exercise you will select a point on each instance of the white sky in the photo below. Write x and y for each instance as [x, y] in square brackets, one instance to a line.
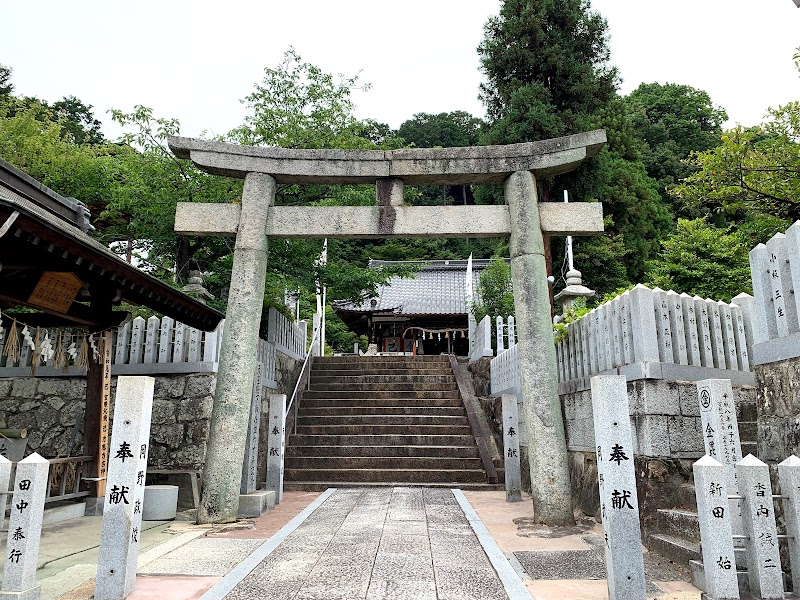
[195, 59]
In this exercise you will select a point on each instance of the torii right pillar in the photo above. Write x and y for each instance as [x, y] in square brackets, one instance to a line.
[536, 352]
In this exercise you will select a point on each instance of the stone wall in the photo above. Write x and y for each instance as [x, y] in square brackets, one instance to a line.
[49, 406]
[778, 406]
[665, 418]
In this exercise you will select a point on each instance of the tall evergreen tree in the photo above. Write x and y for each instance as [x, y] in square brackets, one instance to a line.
[548, 74]
[546, 65]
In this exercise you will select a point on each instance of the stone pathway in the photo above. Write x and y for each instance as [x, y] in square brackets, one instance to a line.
[375, 544]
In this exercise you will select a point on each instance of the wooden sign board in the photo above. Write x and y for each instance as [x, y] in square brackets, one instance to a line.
[56, 291]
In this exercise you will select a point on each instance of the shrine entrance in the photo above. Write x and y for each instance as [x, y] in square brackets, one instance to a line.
[256, 219]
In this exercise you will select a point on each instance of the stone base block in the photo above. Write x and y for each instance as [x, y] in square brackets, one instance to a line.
[256, 504]
[160, 502]
[94, 506]
[73, 510]
[31, 594]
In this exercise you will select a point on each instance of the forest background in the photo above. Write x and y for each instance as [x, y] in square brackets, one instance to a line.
[684, 200]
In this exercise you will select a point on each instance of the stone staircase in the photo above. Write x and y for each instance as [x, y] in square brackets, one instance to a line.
[675, 532]
[382, 420]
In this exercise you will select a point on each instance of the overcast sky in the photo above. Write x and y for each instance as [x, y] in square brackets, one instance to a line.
[195, 59]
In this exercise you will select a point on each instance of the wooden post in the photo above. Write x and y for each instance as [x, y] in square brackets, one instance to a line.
[98, 403]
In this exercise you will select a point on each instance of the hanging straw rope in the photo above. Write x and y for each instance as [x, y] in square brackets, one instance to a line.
[82, 361]
[11, 349]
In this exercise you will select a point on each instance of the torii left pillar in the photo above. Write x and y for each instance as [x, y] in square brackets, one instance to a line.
[237, 362]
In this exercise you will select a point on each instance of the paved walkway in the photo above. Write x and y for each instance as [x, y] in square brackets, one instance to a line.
[376, 544]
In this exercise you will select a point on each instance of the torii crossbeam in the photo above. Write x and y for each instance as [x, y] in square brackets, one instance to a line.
[522, 218]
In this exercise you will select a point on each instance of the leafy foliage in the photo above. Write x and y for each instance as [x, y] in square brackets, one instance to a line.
[546, 67]
[754, 171]
[702, 260]
[672, 121]
[494, 295]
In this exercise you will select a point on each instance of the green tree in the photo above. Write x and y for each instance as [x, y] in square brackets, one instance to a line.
[547, 70]
[672, 121]
[754, 172]
[494, 294]
[702, 260]
[545, 62]
[448, 130]
[78, 120]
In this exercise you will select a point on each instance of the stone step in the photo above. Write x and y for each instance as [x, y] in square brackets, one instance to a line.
[415, 430]
[748, 431]
[746, 412]
[383, 462]
[699, 579]
[443, 358]
[686, 497]
[381, 440]
[749, 448]
[469, 451]
[318, 381]
[433, 369]
[454, 476]
[321, 486]
[674, 548]
[382, 393]
[360, 408]
[306, 420]
[339, 386]
[677, 522]
[391, 402]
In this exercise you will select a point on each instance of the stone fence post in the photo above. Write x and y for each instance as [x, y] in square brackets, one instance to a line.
[25, 529]
[122, 512]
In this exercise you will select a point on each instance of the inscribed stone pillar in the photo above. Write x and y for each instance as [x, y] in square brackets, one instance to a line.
[127, 470]
[25, 529]
[547, 449]
[714, 515]
[617, 481]
[763, 557]
[789, 475]
[227, 438]
[721, 434]
[276, 442]
[513, 475]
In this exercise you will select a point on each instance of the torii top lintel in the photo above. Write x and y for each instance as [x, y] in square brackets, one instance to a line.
[472, 164]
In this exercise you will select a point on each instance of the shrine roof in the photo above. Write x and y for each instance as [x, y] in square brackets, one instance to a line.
[437, 288]
[40, 231]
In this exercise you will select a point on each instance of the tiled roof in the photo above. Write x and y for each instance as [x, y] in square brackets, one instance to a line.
[436, 289]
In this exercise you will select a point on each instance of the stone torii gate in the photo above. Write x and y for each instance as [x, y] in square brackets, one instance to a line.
[256, 219]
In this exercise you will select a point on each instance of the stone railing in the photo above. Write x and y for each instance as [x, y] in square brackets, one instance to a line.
[505, 333]
[652, 334]
[504, 372]
[481, 341]
[775, 270]
[162, 346]
[289, 337]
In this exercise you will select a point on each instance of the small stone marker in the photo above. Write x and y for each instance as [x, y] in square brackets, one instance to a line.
[127, 469]
[25, 529]
[5, 486]
[617, 480]
[763, 557]
[276, 444]
[511, 444]
[789, 475]
[713, 512]
[721, 435]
